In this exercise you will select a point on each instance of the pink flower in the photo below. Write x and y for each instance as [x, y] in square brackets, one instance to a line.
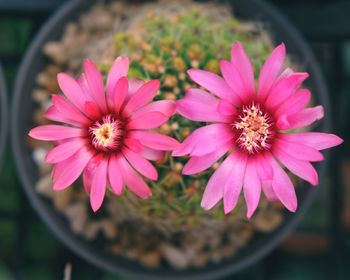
[108, 136]
[251, 125]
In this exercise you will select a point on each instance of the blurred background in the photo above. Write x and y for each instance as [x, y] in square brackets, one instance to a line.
[320, 246]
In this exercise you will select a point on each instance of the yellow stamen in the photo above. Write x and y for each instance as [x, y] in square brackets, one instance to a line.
[107, 133]
[104, 135]
[254, 128]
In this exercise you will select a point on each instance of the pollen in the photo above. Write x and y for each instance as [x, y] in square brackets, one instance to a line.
[254, 129]
[107, 134]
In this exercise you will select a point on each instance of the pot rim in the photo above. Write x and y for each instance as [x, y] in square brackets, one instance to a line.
[4, 116]
[69, 239]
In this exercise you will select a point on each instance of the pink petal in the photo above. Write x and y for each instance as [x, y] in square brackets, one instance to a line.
[234, 183]
[283, 187]
[214, 190]
[268, 191]
[65, 150]
[83, 83]
[200, 106]
[317, 140]
[305, 117]
[118, 94]
[265, 173]
[154, 140]
[53, 132]
[286, 73]
[132, 180]
[95, 82]
[87, 179]
[71, 169]
[297, 150]
[143, 96]
[134, 86]
[59, 168]
[270, 70]
[133, 144]
[166, 107]
[198, 164]
[147, 120]
[92, 110]
[226, 109]
[89, 172]
[115, 175]
[302, 169]
[284, 88]
[98, 185]
[119, 68]
[251, 187]
[69, 110]
[213, 83]
[151, 154]
[89, 106]
[72, 90]
[263, 167]
[234, 79]
[54, 115]
[241, 61]
[294, 103]
[282, 122]
[205, 140]
[140, 164]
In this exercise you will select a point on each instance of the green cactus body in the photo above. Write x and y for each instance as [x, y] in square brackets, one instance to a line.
[164, 47]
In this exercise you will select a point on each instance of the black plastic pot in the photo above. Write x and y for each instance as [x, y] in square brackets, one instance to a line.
[3, 115]
[23, 106]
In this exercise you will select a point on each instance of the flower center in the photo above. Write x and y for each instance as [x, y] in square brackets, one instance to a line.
[254, 129]
[107, 134]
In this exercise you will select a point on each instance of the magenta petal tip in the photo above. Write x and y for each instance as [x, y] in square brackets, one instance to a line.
[147, 195]
[336, 140]
[292, 207]
[227, 210]
[177, 153]
[88, 62]
[123, 58]
[57, 187]
[205, 205]
[250, 213]
[31, 133]
[281, 47]
[187, 171]
[191, 72]
[95, 207]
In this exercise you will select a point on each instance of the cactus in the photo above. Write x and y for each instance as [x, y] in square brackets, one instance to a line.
[162, 47]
